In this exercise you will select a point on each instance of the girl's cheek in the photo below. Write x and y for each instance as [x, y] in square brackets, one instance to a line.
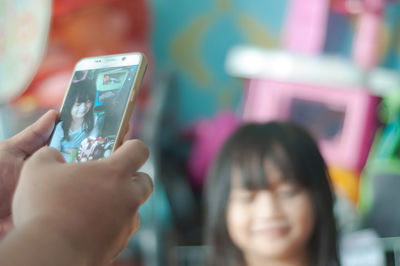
[300, 211]
[237, 219]
[236, 213]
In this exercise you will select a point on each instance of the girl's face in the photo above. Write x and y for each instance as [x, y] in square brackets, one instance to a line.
[270, 224]
[79, 109]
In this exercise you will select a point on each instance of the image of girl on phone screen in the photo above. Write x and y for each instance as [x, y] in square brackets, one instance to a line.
[269, 200]
[77, 120]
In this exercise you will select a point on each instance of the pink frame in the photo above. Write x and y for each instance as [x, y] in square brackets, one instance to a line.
[270, 100]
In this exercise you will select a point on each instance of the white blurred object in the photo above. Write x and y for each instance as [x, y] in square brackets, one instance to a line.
[324, 70]
[24, 27]
[362, 248]
[347, 217]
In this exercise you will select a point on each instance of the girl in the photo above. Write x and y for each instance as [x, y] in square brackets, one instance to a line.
[269, 201]
[76, 120]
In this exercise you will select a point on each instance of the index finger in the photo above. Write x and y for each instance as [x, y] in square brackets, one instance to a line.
[35, 136]
[131, 155]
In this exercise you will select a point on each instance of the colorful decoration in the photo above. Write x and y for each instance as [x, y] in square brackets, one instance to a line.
[89, 28]
[24, 26]
[346, 183]
[208, 136]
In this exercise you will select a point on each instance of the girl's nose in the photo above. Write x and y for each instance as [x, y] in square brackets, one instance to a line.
[266, 205]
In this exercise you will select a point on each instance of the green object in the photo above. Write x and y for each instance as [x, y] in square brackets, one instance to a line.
[72, 155]
[384, 158]
[390, 107]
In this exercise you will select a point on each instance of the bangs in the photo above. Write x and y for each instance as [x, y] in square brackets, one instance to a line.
[82, 96]
[260, 154]
[83, 91]
[252, 166]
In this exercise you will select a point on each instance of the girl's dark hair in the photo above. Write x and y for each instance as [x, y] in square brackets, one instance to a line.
[296, 154]
[79, 92]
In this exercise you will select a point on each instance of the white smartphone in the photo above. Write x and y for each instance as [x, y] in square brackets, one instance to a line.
[97, 106]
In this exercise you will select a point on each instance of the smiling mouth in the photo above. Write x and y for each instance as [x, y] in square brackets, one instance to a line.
[272, 231]
[80, 115]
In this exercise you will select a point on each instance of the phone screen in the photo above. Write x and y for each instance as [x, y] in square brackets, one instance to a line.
[92, 112]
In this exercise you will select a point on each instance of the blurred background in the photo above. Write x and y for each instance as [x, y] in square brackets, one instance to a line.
[330, 66]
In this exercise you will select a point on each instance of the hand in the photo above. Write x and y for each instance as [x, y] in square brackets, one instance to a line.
[13, 153]
[92, 206]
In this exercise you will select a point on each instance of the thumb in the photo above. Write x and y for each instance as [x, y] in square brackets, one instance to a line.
[35, 136]
[47, 154]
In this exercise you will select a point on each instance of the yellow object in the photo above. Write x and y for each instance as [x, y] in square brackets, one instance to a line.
[345, 182]
[27, 104]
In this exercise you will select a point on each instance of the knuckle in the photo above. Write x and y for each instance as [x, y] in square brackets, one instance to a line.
[142, 187]
[133, 205]
[139, 145]
[115, 170]
[136, 222]
[129, 200]
[149, 185]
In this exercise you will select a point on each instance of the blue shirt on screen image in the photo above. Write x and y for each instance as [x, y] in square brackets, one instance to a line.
[68, 148]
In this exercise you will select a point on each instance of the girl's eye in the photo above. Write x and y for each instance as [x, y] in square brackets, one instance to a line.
[243, 196]
[288, 191]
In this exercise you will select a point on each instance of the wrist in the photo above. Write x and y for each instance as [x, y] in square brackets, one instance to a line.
[47, 244]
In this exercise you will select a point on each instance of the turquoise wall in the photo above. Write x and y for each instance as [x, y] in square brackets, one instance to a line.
[192, 37]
